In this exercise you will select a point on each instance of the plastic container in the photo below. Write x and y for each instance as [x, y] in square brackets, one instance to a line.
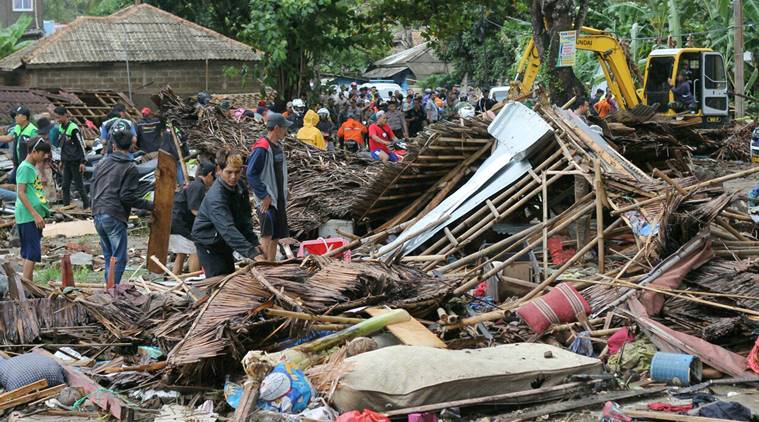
[755, 146]
[676, 369]
[320, 246]
[330, 228]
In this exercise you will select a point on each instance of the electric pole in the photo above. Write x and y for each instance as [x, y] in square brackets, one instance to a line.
[738, 23]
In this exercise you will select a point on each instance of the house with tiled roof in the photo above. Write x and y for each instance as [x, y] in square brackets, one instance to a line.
[137, 50]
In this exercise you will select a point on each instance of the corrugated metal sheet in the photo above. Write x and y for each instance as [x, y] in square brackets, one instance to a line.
[141, 33]
[384, 72]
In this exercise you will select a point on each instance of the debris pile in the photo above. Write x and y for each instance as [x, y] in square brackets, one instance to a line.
[517, 263]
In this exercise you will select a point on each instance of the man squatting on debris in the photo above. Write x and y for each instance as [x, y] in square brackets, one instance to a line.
[114, 192]
[267, 176]
[223, 224]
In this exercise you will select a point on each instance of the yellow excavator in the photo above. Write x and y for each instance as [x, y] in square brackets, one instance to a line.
[704, 68]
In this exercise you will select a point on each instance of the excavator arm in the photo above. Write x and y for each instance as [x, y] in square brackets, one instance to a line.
[611, 56]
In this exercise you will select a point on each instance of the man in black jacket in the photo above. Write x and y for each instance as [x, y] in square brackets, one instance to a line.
[149, 130]
[114, 193]
[223, 224]
[72, 156]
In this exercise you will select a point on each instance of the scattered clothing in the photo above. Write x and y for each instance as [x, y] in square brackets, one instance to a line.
[582, 345]
[729, 410]
[635, 356]
[668, 407]
[309, 133]
[619, 339]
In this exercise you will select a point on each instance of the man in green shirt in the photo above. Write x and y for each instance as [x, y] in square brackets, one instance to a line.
[31, 204]
[19, 135]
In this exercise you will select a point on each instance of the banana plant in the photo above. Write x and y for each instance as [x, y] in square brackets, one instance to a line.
[10, 36]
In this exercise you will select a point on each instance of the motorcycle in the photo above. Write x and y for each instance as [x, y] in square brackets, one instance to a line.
[145, 171]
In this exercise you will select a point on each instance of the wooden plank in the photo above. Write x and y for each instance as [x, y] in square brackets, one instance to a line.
[10, 395]
[410, 332]
[163, 202]
[102, 398]
[28, 398]
[594, 400]
[70, 229]
[15, 288]
[664, 416]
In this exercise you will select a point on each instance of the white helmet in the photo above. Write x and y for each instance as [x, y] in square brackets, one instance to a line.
[298, 103]
[323, 111]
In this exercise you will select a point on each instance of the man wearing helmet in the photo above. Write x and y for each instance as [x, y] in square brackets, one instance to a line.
[326, 127]
[297, 115]
[118, 113]
[114, 193]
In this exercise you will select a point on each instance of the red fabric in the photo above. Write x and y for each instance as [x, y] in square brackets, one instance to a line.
[559, 255]
[715, 356]
[672, 278]
[365, 416]
[666, 407]
[619, 339]
[383, 132]
[560, 305]
[753, 357]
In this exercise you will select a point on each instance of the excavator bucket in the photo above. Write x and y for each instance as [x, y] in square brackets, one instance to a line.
[638, 114]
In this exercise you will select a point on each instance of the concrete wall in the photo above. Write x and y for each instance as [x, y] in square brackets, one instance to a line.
[147, 78]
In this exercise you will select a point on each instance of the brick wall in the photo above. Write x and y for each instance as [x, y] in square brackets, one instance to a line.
[147, 78]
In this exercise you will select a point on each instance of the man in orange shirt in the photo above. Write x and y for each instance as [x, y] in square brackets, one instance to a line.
[603, 107]
[352, 134]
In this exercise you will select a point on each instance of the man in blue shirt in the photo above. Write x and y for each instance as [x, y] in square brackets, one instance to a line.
[118, 113]
[683, 93]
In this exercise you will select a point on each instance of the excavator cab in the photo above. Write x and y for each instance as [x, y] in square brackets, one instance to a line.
[704, 69]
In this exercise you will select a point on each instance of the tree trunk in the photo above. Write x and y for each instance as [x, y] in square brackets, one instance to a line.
[550, 17]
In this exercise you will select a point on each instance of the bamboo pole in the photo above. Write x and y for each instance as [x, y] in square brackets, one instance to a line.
[482, 213]
[503, 245]
[689, 189]
[309, 317]
[545, 225]
[181, 282]
[600, 216]
[487, 223]
[537, 290]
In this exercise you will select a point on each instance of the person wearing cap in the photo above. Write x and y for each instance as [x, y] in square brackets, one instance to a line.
[72, 156]
[19, 135]
[186, 205]
[381, 136]
[224, 223]
[117, 113]
[149, 129]
[352, 134]
[267, 176]
[309, 132]
[114, 188]
[31, 204]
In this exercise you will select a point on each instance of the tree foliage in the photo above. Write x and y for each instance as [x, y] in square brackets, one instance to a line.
[10, 37]
[297, 37]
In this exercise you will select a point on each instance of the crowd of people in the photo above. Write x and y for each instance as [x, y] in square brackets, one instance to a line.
[362, 119]
[212, 215]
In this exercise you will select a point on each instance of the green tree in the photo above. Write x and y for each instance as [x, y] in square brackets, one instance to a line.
[10, 37]
[297, 37]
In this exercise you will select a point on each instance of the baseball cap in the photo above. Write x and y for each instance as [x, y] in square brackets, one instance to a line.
[60, 110]
[43, 126]
[277, 120]
[206, 168]
[21, 110]
[146, 112]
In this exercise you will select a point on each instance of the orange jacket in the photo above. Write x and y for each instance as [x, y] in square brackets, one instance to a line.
[352, 130]
[603, 108]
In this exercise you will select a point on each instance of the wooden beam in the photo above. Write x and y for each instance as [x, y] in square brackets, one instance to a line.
[160, 228]
[28, 398]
